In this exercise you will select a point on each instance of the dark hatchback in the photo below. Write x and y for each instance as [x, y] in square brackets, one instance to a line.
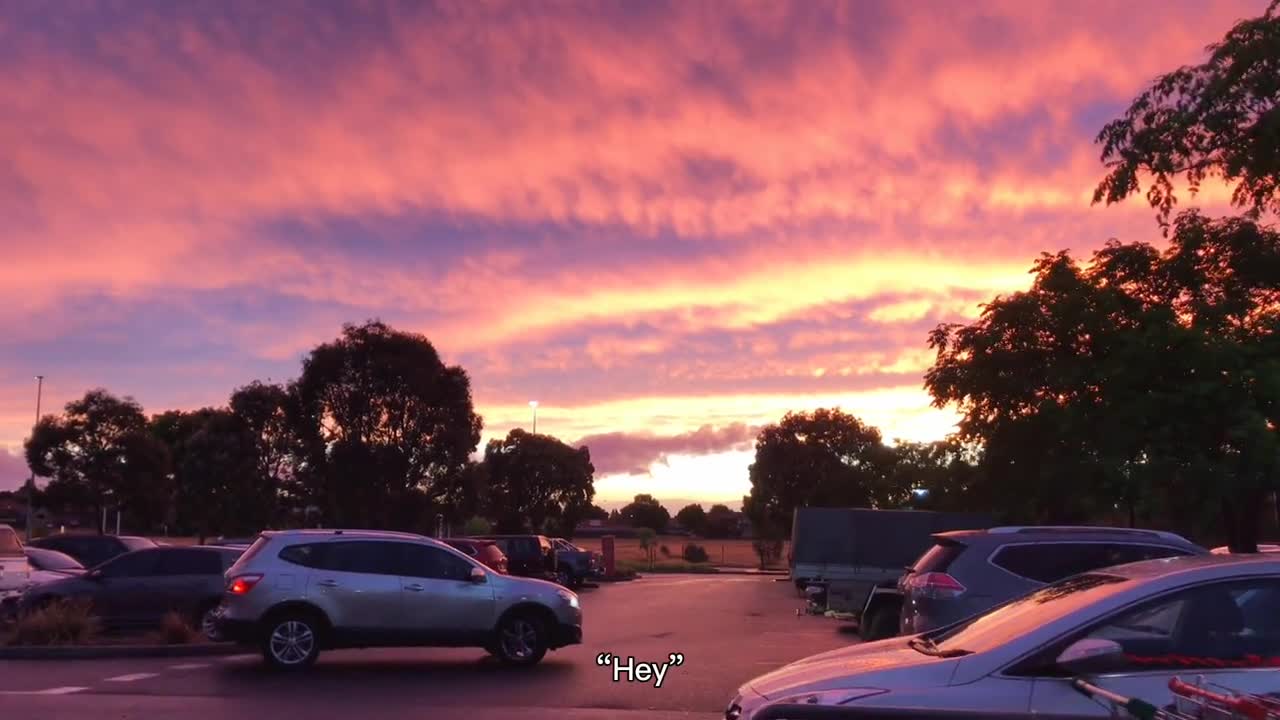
[92, 550]
[527, 555]
[136, 590]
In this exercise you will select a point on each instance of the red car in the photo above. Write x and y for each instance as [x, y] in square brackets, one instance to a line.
[486, 552]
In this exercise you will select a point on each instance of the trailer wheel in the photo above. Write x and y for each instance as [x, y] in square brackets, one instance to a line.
[882, 624]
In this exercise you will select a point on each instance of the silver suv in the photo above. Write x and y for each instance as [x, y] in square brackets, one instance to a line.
[294, 593]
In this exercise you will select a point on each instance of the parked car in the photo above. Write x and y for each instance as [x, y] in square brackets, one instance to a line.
[92, 550]
[968, 571]
[574, 565]
[135, 590]
[486, 552]
[297, 592]
[15, 570]
[1132, 627]
[1224, 550]
[527, 555]
[50, 565]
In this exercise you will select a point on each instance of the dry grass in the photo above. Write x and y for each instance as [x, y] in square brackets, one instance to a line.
[65, 622]
[175, 630]
[722, 553]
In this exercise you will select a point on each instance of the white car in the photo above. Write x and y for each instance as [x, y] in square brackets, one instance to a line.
[15, 571]
[1131, 628]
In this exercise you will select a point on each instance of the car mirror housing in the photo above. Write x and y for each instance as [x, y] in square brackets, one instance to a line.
[477, 575]
[1090, 655]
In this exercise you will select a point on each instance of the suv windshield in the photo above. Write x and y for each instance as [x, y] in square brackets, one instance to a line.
[1024, 614]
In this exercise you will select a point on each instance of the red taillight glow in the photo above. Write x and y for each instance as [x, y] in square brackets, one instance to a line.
[935, 584]
[243, 584]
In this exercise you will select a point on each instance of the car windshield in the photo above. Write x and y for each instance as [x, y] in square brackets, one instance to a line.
[137, 543]
[9, 542]
[52, 560]
[1024, 614]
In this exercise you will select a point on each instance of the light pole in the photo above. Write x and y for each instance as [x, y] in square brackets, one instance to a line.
[31, 484]
[534, 405]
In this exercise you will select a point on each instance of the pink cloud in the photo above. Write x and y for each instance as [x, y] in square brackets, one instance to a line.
[633, 453]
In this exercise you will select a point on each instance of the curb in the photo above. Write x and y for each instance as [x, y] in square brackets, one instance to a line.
[99, 652]
[751, 571]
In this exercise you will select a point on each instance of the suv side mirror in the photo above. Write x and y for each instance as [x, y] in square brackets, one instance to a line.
[477, 575]
[1090, 655]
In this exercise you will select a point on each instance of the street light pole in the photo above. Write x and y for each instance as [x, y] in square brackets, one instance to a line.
[534, 404]
[31, 484]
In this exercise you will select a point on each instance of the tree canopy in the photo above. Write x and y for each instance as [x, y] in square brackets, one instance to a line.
[1220, 118]
[644, 511]
[537, 483]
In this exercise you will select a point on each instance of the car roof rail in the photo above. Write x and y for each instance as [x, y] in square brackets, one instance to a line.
[1100, 529]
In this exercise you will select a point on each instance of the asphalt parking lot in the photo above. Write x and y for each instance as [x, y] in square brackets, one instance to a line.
[728, 628]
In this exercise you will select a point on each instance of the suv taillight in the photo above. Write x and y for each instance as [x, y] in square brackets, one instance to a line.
[934, 585]
[242, 584]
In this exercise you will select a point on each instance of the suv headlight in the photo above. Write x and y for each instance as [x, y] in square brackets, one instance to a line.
[568, 597]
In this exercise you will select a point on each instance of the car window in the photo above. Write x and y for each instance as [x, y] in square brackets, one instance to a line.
[142, 563]
[9, 542]
[378, 557]
[306, 555]
[997, 626]
[137, 543]
[189, 562]
[1209, 626]
[1120, 554]
[1050, 562]
[428, 562]
[96, 550]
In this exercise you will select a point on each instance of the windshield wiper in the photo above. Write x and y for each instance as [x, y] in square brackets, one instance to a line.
[929, 647]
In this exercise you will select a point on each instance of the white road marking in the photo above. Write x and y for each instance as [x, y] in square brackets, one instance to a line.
[49, 691]
[189, 666]
[238, 658]
[132, 677]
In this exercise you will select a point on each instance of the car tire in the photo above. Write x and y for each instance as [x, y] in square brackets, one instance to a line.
[882, 624]
[291, 641]
[206, 621]
[564, 578]
[522, 640]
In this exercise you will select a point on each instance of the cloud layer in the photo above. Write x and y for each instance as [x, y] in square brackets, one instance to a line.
[702, 214]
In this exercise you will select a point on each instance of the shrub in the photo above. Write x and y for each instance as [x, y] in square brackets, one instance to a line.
[175, 630]
[477, 526]
[769, 550]
[695, 553]
[666, 551]
[61, 622]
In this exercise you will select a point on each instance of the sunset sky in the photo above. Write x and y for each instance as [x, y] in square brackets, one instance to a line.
[668, 222]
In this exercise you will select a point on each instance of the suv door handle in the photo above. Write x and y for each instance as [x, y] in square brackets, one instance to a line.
[415, 587]
[327, 583]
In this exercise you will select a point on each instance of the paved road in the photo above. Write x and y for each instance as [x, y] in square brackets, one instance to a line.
[728, 629]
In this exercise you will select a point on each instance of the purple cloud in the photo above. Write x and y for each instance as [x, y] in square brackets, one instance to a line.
[633, 453]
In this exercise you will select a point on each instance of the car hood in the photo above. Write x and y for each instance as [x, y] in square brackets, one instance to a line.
[517, 585]
[887, 665]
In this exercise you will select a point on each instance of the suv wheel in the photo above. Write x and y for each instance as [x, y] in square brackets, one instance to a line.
[521, 640]
[291, 641]
[208, 623]
[563, 578]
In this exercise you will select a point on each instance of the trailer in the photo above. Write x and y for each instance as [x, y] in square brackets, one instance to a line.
[850, 559]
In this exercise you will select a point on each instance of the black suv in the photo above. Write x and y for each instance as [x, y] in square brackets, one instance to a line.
[968, 571]
[527, 555]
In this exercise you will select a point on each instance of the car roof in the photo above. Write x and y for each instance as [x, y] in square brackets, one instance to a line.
[1226, 565]
[1015, 533]
[335, 534]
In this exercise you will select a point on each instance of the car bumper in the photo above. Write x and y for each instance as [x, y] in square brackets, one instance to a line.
[243, 632]
[564, 635]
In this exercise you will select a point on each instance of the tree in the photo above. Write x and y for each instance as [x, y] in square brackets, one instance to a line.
[693, 518]
[477, 526]
[99, 448]
[941, 476]
[826, 458]
[722, 522]
[384, 428]
[535, 480]
[595, 512]
[1217, 119]
[1145, 381]
[648, 543]
[646, 512]
[220, 488]
[263, 411]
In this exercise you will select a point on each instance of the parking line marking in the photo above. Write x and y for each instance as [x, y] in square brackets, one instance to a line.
[132, 677]
[189, 666]
[237, 658]
[50, 691]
